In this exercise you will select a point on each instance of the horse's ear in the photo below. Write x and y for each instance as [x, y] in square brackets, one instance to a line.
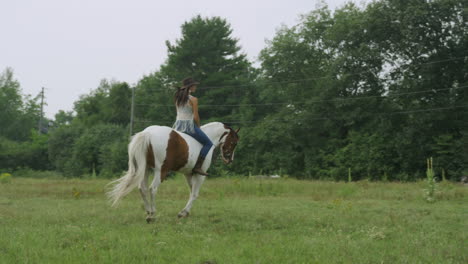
[237, 131]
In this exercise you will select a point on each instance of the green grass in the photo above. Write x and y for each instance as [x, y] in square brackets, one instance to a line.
[234, 221]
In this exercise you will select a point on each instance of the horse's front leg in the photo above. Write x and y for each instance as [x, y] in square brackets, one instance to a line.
[153, 189]
[195, 182]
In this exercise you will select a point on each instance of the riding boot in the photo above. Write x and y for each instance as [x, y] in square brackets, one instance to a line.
[197, 169]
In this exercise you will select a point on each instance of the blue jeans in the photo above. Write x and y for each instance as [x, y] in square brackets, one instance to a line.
[201, 137]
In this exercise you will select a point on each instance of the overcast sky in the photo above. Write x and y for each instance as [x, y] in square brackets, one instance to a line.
[68, 46]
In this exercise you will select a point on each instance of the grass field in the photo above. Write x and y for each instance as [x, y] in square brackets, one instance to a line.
[234, 221]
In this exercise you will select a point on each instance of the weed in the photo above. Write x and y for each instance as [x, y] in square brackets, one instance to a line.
[5, 178]
[376, 233]
[431, 182]
[75, 193]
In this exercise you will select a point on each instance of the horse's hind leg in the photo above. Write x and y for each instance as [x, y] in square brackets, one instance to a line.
[143, 187]
[153, 189]
[195, 182]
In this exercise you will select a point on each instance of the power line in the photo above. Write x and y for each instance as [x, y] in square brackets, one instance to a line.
[328, 118]
[433, 109]
[310, 79]
[324, 77]
[318, 118]
[319, 101]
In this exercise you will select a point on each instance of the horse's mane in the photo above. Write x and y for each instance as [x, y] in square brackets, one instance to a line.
[211, 124]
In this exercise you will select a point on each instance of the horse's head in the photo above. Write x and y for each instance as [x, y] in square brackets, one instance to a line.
[228, 143]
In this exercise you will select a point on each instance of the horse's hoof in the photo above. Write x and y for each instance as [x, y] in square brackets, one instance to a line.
[183, 214]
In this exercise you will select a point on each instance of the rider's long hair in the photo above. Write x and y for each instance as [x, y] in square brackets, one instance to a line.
[181, 96]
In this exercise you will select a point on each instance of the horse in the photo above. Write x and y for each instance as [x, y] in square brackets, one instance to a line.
[164, 149]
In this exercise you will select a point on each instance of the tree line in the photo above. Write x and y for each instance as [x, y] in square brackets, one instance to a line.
[368, 91]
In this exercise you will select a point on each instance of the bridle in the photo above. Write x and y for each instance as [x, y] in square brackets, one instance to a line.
[231, 155]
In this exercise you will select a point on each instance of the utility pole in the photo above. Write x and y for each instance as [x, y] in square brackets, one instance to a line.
[42, 110]
[132, 111]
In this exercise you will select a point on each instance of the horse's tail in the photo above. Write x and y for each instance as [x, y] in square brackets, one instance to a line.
[136, 168]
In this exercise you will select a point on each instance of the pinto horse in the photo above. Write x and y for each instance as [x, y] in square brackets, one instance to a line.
[164, 149]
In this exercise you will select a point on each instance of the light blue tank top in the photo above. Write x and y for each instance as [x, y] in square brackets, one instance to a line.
[184, 122]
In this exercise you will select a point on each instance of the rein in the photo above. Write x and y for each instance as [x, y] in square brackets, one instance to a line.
[221, 147]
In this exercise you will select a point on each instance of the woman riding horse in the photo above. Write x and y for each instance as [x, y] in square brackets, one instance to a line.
[163, 149]
[188, 120]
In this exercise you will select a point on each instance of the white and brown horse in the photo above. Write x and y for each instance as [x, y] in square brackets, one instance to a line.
[165, 150]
